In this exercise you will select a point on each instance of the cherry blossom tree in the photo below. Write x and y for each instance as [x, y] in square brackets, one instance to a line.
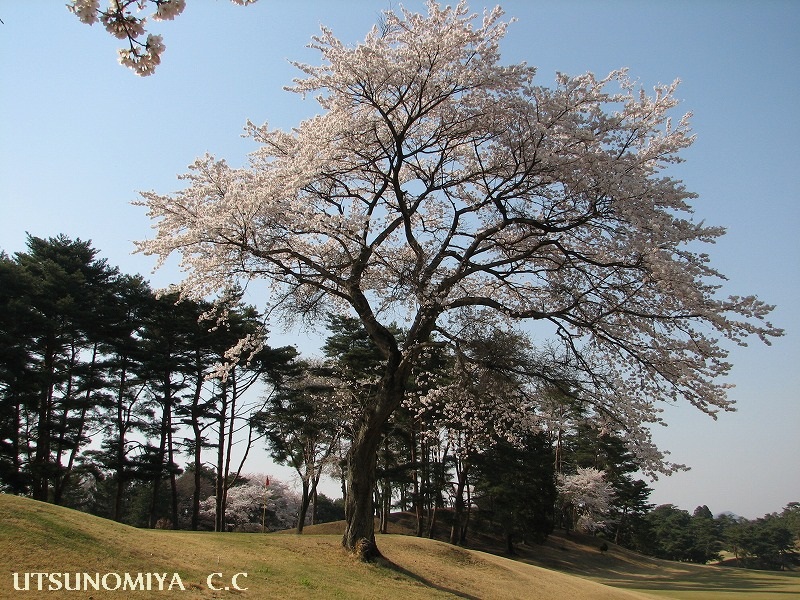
[439, 186]
[586, 496]
[247, 503]
[123, 20]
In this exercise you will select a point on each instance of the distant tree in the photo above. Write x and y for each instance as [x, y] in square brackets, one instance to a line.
[303, 424]
[327, 509]
[125, 414]
[480, 393]
[18, 386]
[705, 536]
[674, 534]
[439, 186]
[236, 417]
[630, 507]
[585, 498]
[584, 445]
[765, 543]
[775, 543]
[670, 533]
[515, 486]
[167, 339]
[791, 516]
[187, 484]
[247, 502]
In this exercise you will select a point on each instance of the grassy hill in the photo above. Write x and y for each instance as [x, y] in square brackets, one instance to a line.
[38, 537]
[579, 555]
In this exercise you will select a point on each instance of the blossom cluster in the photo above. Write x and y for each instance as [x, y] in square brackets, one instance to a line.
[122, 19]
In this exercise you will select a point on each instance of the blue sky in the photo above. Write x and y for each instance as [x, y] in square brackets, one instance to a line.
[79, 135]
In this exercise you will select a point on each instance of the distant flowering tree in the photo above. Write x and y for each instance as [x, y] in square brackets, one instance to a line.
[246, 503]
[123, 23]
[439, 186]
[586, 497]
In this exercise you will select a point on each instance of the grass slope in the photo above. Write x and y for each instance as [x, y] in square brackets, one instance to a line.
[579, 555]
[44, 538]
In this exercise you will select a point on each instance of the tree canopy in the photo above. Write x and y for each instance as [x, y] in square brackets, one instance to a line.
[446, 189]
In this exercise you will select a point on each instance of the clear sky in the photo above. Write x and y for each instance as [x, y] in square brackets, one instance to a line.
[80, 135]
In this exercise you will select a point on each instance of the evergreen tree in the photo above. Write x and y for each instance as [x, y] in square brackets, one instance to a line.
[515, 485]
[705, 535]
[18, 395]
[126, 413]
[303, 422]
[670, 533]
[166, 341]
[65, 289]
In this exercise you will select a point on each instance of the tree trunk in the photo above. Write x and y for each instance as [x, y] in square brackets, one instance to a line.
[510, 543]
[458, 509]
[462, 540]
[198, 449]
[415, 498]
[432, 521]
[120, 443]
[359, 535]
[219, 488]
[304, 502]
[386, 502]
[314, 503]
[157, 478]
[173, 482]
[362, 458]
[40, 468]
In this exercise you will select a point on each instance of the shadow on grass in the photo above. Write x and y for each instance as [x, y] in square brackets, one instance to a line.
[709, 579]
[385, 562]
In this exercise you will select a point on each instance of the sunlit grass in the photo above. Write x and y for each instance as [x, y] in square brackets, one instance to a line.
[40, 537]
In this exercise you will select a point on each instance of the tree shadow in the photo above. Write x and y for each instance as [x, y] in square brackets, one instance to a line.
[385, 562]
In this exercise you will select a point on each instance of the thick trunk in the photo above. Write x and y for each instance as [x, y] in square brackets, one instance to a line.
[458, 509]
[305, 501]
[359, 535]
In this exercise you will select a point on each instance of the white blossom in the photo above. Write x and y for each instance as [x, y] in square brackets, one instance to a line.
[85, 10]
[439, 185]
[246, 503]
[123, 20]
[588, 496]
[168, 10]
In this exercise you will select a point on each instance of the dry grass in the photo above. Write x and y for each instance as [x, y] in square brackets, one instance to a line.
[40, 537]
[579, 555]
